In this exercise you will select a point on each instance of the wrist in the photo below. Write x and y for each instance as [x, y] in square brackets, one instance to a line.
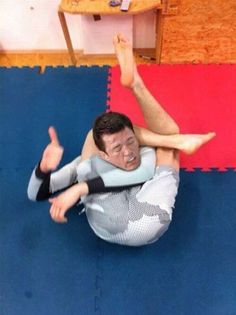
[41, 173]
[43, 168]
[82, 188]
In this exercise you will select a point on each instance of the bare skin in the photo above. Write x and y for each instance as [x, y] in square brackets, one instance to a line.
[156, 117]
[158, 120]
[187, 143]
[124, 54]
[52, 153]
[163, 133]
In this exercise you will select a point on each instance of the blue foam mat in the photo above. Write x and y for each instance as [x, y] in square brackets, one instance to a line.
[68, 98]
[66, 269]
[46, 268]
[191, 269]
[39, 271]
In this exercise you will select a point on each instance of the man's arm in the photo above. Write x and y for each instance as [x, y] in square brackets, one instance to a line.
[39, 184]
[43, 185]
[109, 179]
[52, 154]
[44, 182]
[63, 202]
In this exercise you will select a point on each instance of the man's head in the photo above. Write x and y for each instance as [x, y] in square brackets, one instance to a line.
[114, 136]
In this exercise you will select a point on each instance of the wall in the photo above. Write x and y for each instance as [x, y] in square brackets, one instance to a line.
[203, 31]
[34, 25]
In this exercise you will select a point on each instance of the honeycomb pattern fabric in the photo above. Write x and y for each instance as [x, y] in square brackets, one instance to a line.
[135, 216]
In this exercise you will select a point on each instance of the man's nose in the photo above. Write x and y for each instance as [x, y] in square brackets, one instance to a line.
[126, 150]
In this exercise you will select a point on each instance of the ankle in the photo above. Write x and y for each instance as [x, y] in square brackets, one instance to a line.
[138, 86]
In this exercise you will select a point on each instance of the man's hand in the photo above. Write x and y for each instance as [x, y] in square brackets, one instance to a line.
[52, 154]
[62, 203]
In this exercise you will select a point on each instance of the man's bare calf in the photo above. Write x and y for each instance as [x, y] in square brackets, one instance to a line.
[157, 119]
[159, 122]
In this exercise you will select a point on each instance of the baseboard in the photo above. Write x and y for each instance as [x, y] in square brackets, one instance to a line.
[44, 58]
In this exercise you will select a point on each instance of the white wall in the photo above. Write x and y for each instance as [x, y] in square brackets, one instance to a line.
[34, 25]
[97, 35]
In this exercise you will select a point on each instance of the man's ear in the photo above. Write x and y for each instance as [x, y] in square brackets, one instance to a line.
[104, 155]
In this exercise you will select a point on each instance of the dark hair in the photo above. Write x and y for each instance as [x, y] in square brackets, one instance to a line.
[107, 124]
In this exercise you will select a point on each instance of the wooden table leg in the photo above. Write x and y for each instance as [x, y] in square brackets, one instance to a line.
[159, 34]
[67, 37]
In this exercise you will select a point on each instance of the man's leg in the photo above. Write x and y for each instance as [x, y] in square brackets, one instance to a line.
[168, 157]
[89, 147]
[157, 119]
[188, 143]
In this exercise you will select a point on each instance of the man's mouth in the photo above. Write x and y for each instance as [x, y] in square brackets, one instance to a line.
[131, 159]
[132, 163]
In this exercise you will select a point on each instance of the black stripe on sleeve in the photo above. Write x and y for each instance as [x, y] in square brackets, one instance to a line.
[44, 189]
[40, 174]
[96, 185]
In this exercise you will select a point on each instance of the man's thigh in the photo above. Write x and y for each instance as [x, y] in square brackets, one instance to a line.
[89, 147]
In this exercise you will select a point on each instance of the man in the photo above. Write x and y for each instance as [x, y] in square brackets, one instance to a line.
[140, 211]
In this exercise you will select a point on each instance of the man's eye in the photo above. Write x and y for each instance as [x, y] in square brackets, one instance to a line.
[117, 149]
[131, 141]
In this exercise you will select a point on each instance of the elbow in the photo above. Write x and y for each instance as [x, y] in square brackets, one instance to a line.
[37, 189]
[31, 195]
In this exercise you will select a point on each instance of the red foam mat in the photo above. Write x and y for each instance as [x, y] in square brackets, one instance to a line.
[201, 98]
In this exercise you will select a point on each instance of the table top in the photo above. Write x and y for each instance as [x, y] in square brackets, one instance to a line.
[102, 7]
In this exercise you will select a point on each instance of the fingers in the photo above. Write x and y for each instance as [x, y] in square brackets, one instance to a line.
[57, 212]
[53, 135]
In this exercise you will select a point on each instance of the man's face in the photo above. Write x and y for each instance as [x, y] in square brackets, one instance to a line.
[122, 149]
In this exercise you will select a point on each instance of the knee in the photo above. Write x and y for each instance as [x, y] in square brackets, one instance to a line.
[166, 218]
[90, 133]
[176, 129]
[165, 221]
[89, 142]
[161, 231]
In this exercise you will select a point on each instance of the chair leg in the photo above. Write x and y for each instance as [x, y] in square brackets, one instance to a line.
[159, 35]
[67, 37]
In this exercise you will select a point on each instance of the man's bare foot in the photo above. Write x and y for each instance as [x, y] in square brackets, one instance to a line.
[124, 53]
[192, 142]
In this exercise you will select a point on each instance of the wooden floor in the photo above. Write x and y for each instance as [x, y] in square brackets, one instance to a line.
[61, 58]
